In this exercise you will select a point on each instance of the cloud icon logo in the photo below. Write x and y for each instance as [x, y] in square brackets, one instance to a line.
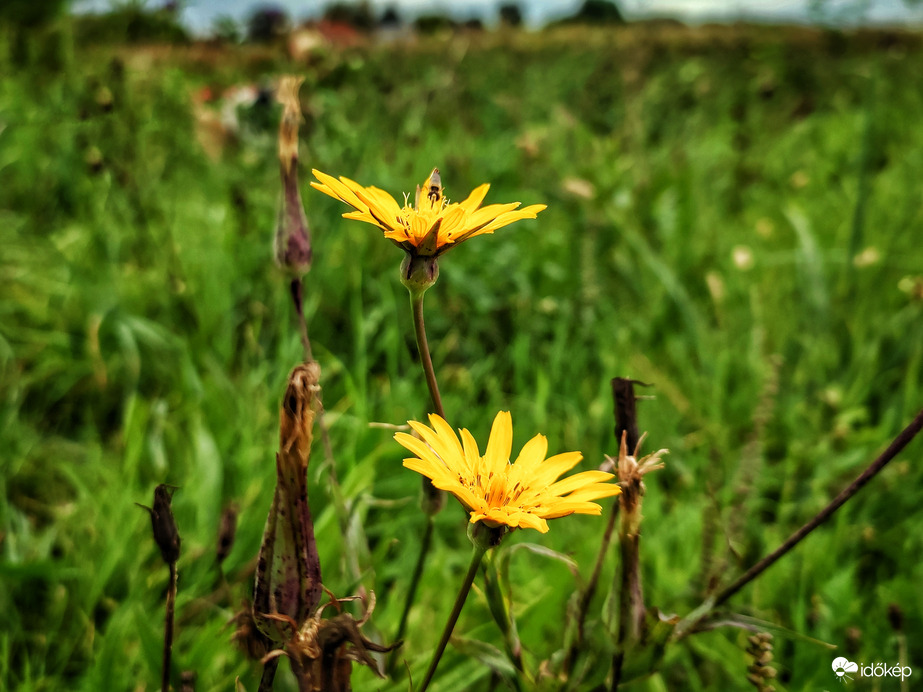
[841, 666]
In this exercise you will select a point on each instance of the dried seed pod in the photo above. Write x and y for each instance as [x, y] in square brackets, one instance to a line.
[166, 533]
[288, 577]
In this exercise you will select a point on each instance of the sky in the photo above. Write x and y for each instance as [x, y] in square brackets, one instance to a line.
[199, 15]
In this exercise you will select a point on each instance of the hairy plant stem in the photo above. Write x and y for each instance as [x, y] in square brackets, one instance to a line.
[432, 496]
[631, 598]
[899, 442]
[168, 630]
[476, 558]
[416, 306]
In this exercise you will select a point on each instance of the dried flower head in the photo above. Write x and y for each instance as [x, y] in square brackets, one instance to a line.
[288, 574]
[630, 469]
[525, 493]
[323, 650]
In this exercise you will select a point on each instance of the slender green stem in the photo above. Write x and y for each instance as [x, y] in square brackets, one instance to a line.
[414, 583]
[456, 611]
[416, 305]
[587, 595]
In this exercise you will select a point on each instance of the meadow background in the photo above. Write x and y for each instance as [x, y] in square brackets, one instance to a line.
[733, 216]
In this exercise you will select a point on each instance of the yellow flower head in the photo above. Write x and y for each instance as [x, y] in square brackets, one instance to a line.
[432, 224]
[520, 494]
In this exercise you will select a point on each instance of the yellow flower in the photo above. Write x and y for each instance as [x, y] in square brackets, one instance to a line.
[520, 494]
[432, 224]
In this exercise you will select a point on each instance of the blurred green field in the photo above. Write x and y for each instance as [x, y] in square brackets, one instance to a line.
[734, 216]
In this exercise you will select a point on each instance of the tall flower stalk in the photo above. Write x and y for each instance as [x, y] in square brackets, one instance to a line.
[293, 254]
[425, 230]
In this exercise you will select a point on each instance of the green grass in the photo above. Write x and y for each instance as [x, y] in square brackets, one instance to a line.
[145, 336]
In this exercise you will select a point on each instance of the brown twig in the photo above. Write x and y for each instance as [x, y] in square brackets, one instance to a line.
[269, 674]
[631, 593]
[166, 535]
[626, 422]
[631, 597]
[297, 291]
[300, 673]
[168, 630]
[901, 441]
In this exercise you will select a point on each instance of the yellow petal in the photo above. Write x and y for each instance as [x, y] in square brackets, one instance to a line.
[576, 481]
[562, 509]
[334, 188]
[418, 447]
[485, 215]
[475, 198]
[500, 443]
[554, 467]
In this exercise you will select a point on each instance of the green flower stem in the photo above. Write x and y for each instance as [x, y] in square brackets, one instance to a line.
[416, 305]
[476, 558]
[433, 498]
[414, 583]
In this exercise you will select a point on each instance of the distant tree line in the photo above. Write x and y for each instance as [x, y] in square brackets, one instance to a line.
[270, 21]
[138, 22]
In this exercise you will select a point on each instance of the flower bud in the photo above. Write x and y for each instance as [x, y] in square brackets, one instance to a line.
[484, 536]
[292, 245]
[166, 534]
[419, 272]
